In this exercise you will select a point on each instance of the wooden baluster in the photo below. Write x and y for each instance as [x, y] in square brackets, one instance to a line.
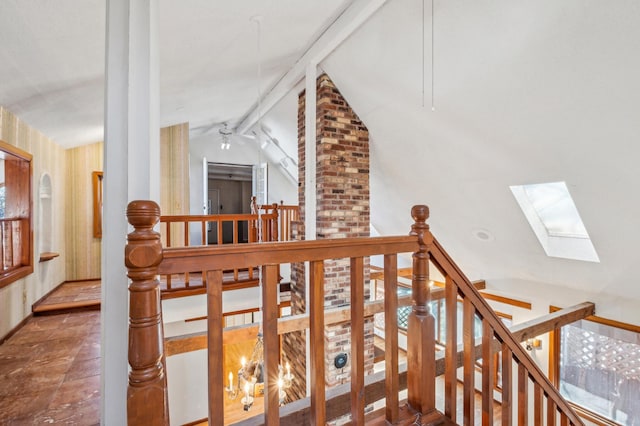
[219, 236]
[234, 236]
[421, 323]
[564, 421]
[186, 233]
[537, 404]
[316, 345]
[147, 402]
[203, 232]
[215, 364]
[274, 223]
[551, 412]
[271, 341]
[523, 391]
[10, 246]
[262, 229]
[283, 217]
[2, 226]
[185, 229]
[451, 350]
[487, 373]
[507, 385]
[168, 239]
[468, 341]
[357, 340]
[253, 235]
[391, 336]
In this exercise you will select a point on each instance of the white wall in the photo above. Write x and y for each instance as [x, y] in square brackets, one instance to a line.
[243, 151]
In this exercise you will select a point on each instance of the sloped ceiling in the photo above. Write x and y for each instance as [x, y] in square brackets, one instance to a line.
[523, 92]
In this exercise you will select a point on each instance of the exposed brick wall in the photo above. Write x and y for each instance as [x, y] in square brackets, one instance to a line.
[342, 210]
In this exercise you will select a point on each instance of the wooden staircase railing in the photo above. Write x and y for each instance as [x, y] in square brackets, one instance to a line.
[494, 332]
[258, 228]
[287, 214]
[147, 393]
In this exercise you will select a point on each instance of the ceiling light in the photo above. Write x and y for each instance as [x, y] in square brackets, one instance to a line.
[482, 234]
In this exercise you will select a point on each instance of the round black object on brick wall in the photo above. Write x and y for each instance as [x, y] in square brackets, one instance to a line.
[340, 360]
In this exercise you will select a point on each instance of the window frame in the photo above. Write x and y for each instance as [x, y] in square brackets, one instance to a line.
[555, 338]
[25, 243]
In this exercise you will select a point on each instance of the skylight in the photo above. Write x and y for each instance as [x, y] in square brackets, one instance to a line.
[555, 220]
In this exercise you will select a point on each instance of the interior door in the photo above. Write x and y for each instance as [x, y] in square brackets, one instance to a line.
[260, 183]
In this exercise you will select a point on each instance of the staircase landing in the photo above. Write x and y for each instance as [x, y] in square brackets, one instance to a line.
[70, 296]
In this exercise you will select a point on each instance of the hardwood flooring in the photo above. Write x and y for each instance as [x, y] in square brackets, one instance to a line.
[50, 369]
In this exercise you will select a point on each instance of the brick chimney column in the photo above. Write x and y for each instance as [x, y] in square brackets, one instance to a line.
[342, 210]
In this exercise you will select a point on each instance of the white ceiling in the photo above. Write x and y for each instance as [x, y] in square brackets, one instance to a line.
[52, 59]
[524, 92]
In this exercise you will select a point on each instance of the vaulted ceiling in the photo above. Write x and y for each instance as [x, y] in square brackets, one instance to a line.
[512, 93]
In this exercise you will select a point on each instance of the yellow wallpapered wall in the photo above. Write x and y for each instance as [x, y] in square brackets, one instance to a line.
[83, 250]
[174, 176]
[174, 169]
[72, 208]
[48, 157]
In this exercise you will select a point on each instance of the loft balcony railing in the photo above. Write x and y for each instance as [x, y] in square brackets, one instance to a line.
[270, 222]
[526, 390]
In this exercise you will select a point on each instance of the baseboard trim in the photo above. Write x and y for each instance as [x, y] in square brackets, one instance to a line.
[15, 329]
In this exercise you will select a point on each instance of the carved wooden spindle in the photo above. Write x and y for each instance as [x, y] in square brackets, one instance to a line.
[147, 402]
[421, 323]
[274, 223]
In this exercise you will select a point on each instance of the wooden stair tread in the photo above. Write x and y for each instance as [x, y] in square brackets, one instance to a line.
[45, 309]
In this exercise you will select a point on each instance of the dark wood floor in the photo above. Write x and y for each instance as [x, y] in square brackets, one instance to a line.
[50, 368]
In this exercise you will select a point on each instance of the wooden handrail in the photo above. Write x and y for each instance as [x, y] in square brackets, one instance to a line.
[268, 221]
[259, 228]
[146, 259]
[179, 259]
[213, 260]
[493, 327]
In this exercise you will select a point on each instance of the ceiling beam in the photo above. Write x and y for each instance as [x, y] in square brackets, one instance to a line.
[346, 24]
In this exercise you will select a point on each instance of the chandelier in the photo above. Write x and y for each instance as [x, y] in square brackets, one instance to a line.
[250, 378]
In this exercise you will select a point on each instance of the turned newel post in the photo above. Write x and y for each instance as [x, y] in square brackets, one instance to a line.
[421, 324]
[147, 391]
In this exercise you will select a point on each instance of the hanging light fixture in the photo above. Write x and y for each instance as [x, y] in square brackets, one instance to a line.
[250, 378]
[225, 133]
